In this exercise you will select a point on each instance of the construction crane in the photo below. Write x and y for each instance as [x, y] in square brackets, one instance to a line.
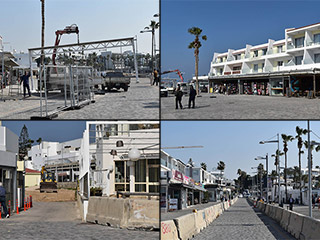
[68, 29]
[176, 70]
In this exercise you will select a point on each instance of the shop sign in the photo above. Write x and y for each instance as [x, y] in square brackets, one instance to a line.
[177, 175]
[173, 204]
[186, 180]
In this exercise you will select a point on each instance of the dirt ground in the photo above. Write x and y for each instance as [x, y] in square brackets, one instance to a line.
[63, 195]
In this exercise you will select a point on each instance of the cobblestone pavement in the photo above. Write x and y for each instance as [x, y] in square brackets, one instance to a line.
[171, 215]
[141, 101]
[242, 107]
[56, 220]
[240, 221]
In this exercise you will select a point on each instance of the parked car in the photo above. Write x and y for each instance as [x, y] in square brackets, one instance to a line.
[163, 92]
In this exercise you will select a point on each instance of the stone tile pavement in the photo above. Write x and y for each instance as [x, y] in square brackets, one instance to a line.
[241, 221]
[60, 220]
[242, 107]
[141, 101]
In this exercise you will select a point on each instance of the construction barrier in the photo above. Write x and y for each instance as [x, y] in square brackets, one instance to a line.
[278, 214]
[186, 226]
[295, 224]
[17, 206]
[201, 222]
[267, 209]
[210, 215]
[169, 230]
[285, 219]
[124, 213]
[310, 229]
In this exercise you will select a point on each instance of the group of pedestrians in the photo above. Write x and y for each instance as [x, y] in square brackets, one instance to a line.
[179, 95]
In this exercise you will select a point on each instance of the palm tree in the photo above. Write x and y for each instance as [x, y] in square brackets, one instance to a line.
[286, 139]
[153, 26]
[196, 44]
[221, 167]
[312, 147]
[203, 166]
[300, 132]
[42, 31]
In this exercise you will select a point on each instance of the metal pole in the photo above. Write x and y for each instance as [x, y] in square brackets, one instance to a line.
[267, 178]
[45, 89]
[2, 72]
[135, 60]
[65, 86]
[309, 173]
[278, 167]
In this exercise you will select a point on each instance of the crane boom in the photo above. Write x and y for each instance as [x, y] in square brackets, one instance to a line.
[67, 30]
[177, 71]
[181, 147]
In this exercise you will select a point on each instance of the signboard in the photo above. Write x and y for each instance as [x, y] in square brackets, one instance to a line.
[173, 204]
[177, 175]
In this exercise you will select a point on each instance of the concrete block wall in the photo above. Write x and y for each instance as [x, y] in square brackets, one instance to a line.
[124, 213]
[300, 226]
[187, 226]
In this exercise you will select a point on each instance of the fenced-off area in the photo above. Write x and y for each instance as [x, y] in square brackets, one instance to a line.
[64, 88]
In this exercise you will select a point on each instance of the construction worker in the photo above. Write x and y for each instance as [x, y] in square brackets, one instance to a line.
[3, 200]
[25, 80]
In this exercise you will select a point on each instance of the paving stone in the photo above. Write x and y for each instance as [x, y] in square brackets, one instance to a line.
[242, 107]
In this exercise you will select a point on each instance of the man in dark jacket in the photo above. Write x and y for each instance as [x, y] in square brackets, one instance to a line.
[25, 81]
[3, 200]
[192, 96]
[179, 95]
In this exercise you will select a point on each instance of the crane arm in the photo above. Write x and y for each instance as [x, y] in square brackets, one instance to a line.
[177, 71]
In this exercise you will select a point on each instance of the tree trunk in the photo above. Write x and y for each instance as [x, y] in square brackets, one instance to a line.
[42, 32]
[196, 70]
[285, 177]
[300, 189]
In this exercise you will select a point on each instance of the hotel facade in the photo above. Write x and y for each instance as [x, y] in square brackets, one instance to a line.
[287, 67]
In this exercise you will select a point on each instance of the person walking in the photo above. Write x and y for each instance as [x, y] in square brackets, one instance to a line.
[178, 94]
[3, 200]
[155, 77]
[313, 201]
[192, 96]
[25, 80]
[291, 201]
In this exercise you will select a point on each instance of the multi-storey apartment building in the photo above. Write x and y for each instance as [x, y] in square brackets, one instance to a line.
[287, 67]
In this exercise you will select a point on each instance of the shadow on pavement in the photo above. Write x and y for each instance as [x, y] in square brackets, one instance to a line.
[276, 230]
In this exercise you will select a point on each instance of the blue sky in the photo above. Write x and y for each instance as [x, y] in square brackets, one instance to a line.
[96, 19]
[59, 131]
[227, 24]
[234, 142]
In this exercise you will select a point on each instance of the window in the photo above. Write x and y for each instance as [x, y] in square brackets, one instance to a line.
[255, 67]
[262, 66]
[299, 42]
[221, 71]
[264, 51]
[235, 57]
[255, 53]
[317, 58]
[279, 49]
[316, 38]
[298, 60]
[280, 63]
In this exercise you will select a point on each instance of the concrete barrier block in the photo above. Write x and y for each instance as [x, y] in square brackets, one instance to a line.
[108, 211]
[201, 220]
[210, 215]
[169, 230]
[278, 214]
[295, 224]
[310, 229]
[263, 207]
[186, 226]
[267, 209]
[143, 213]
[218, 209]
[272, 212]
[285, 219]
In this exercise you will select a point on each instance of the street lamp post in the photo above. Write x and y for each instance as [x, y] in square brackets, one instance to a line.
[265, 158]
[278, 163]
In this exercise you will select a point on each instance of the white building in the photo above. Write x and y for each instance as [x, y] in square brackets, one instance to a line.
[8, 163]
[290, 66]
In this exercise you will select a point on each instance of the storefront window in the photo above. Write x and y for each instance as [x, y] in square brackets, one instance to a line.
[140, 171]
[119, 173]
[140, 188]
